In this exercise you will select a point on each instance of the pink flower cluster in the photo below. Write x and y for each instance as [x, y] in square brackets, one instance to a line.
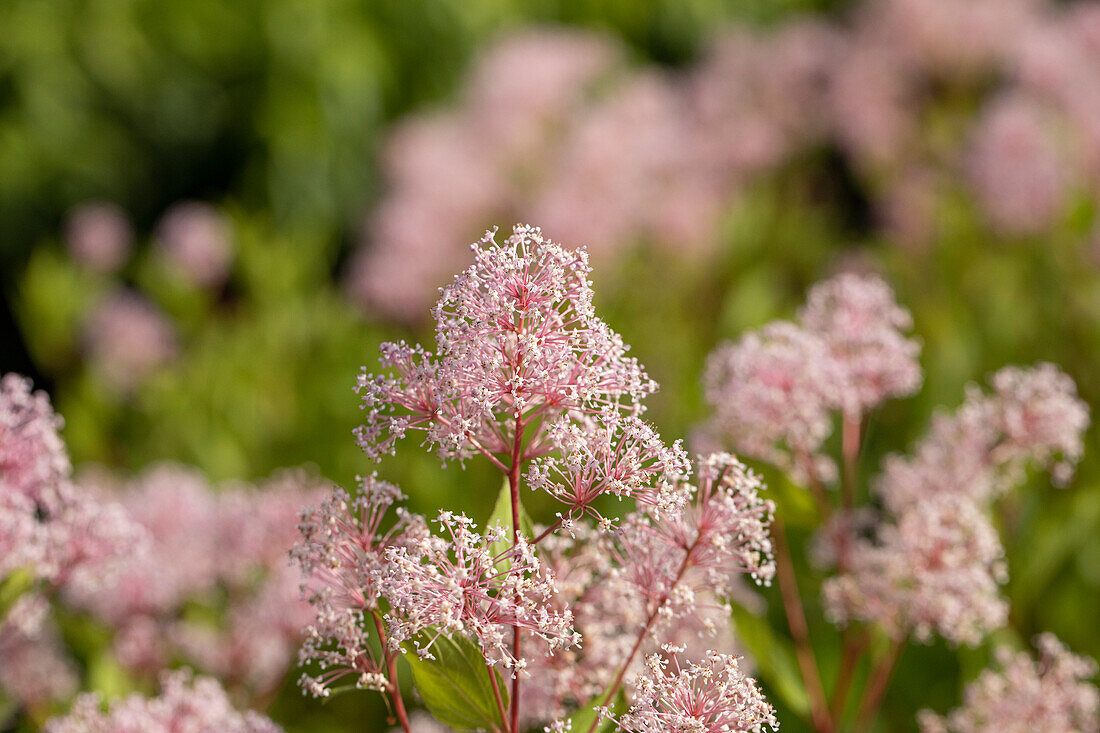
[1033, 418]
[593, 150]
[59, 532]
[710, 696]
[912, 92]
[194, 240]
[128, 338]
[864, 329]
[195, 706]
[461, 583]
[99, 236]
[1033, 144]
[520, 345]
[1048, 694]
[225, 550]
[936, 568]
[774, 391]
[528, 377]
[656, 581]
[37, 668]
[342, 554]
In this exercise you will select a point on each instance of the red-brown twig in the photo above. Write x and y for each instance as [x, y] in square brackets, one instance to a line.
[796, 620]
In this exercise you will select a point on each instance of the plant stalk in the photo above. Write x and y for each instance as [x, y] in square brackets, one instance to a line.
[796, 621]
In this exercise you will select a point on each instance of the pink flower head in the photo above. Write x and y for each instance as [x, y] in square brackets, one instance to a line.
[1040, 419]
[194, 239]
[864, 329]
[195, 706]
[606, 613]
[128, 338]
[710, 696]
[99, 236]
[476, 585]
[59, 532]
[520, 345]
[611, 454]
[773, 392]
[935, 570]
[453, 171]
[224, 548]
[177, 508]
[1048, 694]
[724, 529]
[342, 554]
[37, 668]
[1033, 417]
[1019, 170]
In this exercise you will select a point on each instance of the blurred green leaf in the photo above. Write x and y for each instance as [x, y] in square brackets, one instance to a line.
[585, 716]
[13, 587]
[774, 657]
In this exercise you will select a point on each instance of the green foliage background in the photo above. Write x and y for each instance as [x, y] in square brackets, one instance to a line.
[273, 109]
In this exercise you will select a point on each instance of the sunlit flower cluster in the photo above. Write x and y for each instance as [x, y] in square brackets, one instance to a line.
[1032, 417]
[196, 706]
[1051, 693]
[656, 580]
[342, 555]
[936, 571]
[521, 349]
[461, 583]
[709, 696]
[221, 550]
[775, 390]
[528, 378]
[59, 532]
[865, 328]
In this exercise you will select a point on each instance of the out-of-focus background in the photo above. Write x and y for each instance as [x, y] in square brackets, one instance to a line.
[212, 213]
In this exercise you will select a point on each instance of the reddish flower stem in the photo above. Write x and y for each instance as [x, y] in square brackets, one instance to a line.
[796, 620]
[496, 695]
[878, 682]
[645, 630]
[513, 486]
[853, 647]
[547, 532]
[391, 672]
[849, 446]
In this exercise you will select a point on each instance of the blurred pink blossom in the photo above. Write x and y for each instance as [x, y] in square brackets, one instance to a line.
[127, 338]
[196, 242]
[1050, 693]
[99, 236]
[197, 705]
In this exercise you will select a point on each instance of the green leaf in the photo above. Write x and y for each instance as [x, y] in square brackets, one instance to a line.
[774, 657]
[455, 685]
[585, 715]
[502, 513]
[12, 589]
[108, 677]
